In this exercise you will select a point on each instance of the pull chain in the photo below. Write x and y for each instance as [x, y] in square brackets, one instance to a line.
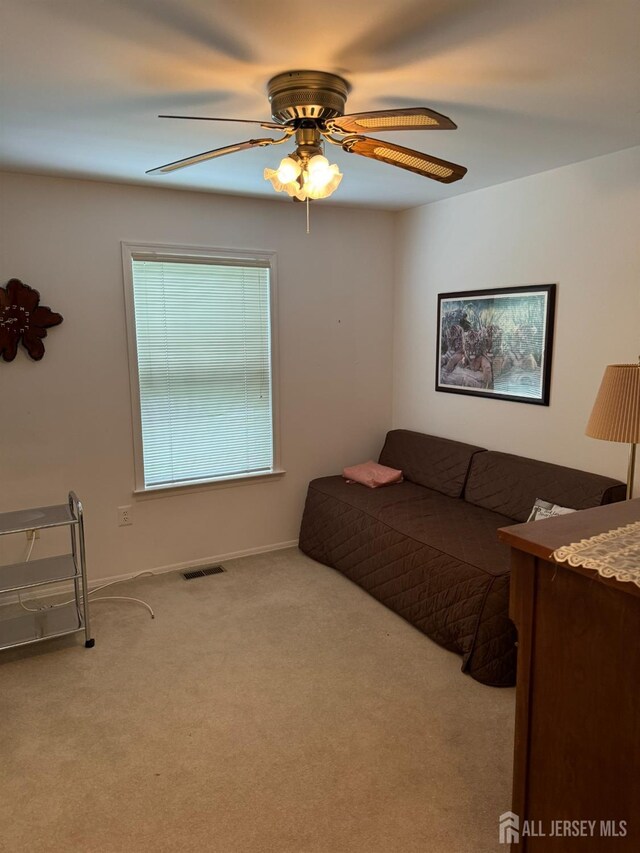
[308, 215]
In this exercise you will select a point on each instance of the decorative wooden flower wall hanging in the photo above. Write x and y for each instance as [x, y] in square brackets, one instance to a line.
[23, 318]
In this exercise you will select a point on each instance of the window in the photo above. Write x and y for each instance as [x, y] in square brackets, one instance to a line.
[201, 356]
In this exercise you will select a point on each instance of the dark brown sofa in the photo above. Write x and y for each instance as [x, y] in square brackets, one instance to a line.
[427, 547]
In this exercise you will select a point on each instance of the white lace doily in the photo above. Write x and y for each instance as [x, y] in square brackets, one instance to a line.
[615, 554]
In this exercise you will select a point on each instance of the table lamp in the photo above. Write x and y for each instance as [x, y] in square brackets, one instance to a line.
[616, 412]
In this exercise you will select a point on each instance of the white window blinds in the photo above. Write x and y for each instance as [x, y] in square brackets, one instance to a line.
[203, 334]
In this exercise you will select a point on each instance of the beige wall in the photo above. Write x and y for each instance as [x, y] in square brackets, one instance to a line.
[66, 421]
[577, 226]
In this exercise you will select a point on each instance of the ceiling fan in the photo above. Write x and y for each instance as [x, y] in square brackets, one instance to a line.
[308, 106]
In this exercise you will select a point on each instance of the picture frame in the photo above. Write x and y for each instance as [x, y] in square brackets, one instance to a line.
[497, 343]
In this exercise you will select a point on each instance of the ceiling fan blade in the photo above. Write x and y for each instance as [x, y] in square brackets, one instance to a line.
[268, 124]
[406, 158]
[411, 118]
[209, 155]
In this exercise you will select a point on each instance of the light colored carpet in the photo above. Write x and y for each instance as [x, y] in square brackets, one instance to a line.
[276, 707]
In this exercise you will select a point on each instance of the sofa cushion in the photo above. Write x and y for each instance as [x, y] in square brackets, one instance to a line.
[371, 501]
[437, 463]
[510, 485]
[453, 527]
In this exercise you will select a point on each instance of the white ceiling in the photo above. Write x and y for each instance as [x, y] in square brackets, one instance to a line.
[532, 85]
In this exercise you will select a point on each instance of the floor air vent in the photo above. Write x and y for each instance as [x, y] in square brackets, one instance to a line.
[202, 573]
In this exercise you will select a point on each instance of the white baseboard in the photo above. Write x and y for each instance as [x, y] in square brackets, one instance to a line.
[196, 564]
[65, 586]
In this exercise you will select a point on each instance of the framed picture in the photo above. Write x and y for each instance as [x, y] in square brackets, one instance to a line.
[497, 343]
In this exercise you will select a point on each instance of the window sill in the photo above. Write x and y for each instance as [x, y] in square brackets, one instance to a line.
[206, 485]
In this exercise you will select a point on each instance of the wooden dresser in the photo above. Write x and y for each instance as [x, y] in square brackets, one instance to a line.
[577, 741]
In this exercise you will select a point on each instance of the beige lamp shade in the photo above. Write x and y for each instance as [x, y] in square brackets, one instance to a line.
[616, 411]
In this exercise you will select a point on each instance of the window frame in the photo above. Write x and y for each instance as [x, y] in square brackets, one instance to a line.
[199, 254]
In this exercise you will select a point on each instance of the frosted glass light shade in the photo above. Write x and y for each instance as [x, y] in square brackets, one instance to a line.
[319, 169]
[292, 188]
[321, 178]
[318, 179]
[288, 170]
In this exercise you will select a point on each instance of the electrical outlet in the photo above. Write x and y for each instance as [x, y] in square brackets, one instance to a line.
[125, 516]
[32, 534]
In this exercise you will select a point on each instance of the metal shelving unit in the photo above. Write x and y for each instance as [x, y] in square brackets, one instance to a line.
[57, 621]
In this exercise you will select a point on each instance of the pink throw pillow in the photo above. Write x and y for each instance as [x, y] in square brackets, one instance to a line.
[372, 474]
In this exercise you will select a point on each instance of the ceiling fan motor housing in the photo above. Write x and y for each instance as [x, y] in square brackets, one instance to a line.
[306, 94]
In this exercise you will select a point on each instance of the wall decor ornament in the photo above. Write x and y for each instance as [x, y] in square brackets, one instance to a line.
[22, 318]
[497, 343]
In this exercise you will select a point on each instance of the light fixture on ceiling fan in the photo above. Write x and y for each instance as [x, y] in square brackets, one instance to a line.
[308, 106]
